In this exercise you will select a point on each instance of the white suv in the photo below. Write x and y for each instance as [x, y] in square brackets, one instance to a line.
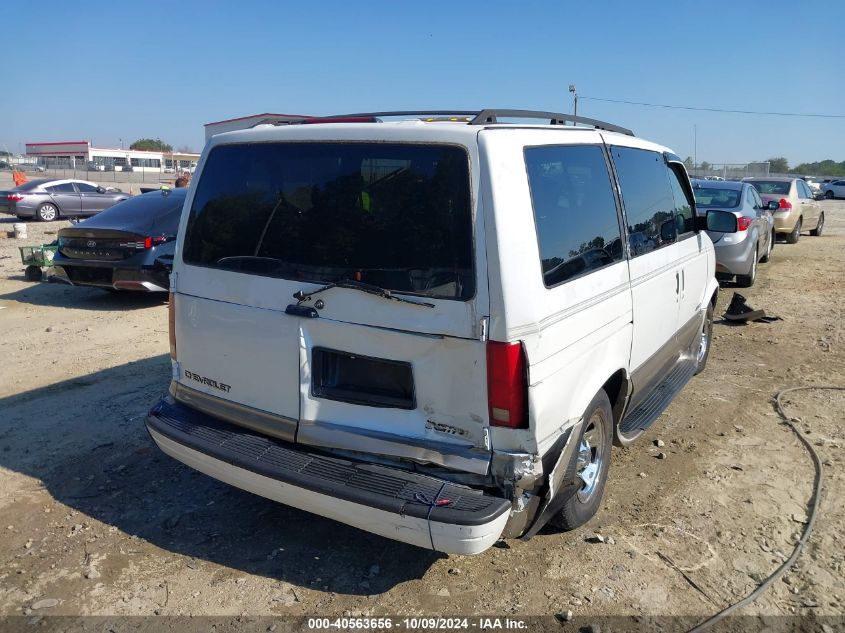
[434, 328]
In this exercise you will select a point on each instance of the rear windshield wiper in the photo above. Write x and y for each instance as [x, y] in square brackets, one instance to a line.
[302, 296]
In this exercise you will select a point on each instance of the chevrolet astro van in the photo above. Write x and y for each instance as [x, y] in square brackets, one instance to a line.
[432, 326]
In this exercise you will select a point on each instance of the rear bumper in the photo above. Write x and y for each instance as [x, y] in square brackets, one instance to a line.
[785, 220]
[116, 275]
[404, 506]
[734, 259]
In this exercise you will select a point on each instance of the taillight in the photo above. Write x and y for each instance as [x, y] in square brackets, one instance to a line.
[149, 242]
[14, 197]
[743, 223]
[507, 386]
[171, 323]
[784, 204]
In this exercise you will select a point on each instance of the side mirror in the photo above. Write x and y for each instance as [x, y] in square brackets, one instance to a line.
[773, 205]
[818, 196]
[101, 189]
[721, 222]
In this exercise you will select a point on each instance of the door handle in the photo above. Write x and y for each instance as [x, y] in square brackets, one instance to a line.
[677, 283]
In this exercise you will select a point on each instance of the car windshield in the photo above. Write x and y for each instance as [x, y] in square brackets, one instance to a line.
[394, 215]
[772, 186]
[721, 198]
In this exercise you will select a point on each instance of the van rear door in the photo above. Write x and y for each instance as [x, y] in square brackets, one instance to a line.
[399, 371]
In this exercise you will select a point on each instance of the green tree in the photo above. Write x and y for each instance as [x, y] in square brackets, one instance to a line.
[688, 163]
[151, 145]
[704, 166]
[822, 168]
[778, 165]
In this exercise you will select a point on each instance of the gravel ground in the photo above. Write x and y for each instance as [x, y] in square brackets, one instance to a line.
[97, 521]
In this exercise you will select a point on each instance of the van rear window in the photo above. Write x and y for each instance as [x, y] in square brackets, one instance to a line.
[395, 215]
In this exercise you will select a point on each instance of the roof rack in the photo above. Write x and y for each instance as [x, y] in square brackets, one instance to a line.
[491, 115]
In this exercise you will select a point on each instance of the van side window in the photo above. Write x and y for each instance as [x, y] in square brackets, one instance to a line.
[684, 214]
[574, 210]
[647, 196]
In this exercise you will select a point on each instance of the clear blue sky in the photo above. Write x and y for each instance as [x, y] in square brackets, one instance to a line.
[102, 71]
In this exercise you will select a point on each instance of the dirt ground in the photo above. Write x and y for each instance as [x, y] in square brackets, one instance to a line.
[95, 517]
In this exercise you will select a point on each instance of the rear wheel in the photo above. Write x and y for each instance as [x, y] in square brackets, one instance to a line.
[792, 238]
[47, 212]
[746, 281]
[828, 194]
[769, 247]
[705, 339]
[819, 227]
[592, 465]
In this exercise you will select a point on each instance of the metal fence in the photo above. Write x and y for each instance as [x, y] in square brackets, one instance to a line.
[730, 171]
[139, 175]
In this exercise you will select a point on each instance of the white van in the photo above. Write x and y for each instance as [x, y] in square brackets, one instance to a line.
[434, 328]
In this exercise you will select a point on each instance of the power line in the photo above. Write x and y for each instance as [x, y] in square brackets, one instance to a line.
[677, 107]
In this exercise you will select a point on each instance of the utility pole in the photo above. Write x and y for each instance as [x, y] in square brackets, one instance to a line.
[694, 146]
[574, 94]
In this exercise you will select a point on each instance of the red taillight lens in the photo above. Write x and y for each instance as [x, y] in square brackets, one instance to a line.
[14, 197]
[149, 242]
[784, 204]
[743, 223]
[171, 323]
[507, 387]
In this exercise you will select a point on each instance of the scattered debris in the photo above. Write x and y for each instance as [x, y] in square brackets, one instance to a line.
[595, 538]
[740, 312]
[46, 603]
[659, 443]
[661, 455]
[566, 616]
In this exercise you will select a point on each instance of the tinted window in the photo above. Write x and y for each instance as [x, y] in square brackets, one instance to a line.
[804, 190]
[163, 210]
[396, 215]
[646, 193]
[574, 209]
[85, 188]
[771, 187]
[683, 208]
[65, 187]
[711, 197]
[754, 199]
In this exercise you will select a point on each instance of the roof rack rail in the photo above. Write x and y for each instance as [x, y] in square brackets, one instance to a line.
[555, 118]
[491, 115]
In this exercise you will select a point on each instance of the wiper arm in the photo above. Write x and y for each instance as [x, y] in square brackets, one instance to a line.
[302, 296]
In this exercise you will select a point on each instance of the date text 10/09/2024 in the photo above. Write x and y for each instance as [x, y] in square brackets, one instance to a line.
[414, 623]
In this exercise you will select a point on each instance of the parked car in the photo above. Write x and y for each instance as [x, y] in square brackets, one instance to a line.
[49, 199]
[127, 247]
[797, 207]
[375, 322]
[834, 189]
[738, 252]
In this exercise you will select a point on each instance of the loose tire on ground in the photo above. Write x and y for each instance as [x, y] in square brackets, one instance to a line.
[592, 465]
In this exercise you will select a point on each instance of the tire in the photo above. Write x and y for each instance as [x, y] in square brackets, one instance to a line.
[592, 465]
[706, 340]
[33, 273]
[829, 194]
[769, 247]
[47, 212]
[792, 238]
[746, 281]
[819, 227]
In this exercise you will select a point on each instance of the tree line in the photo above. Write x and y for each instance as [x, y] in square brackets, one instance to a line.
[779, 165]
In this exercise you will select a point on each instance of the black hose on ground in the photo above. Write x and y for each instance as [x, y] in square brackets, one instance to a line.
[811, 519]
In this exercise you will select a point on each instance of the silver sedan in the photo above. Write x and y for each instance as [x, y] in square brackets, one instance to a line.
[47, 199]
[738, 253]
